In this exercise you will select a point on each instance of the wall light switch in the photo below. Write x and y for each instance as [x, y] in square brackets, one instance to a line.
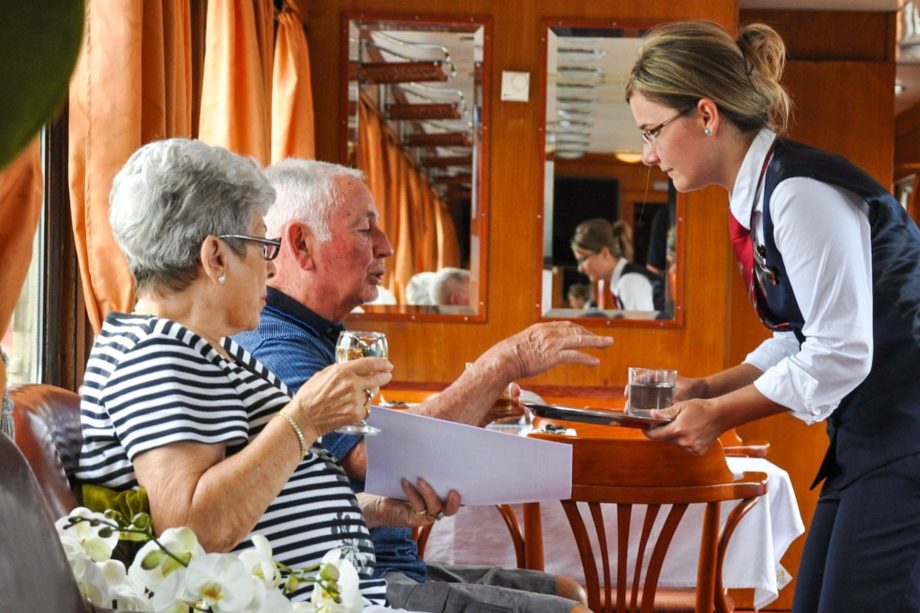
[515, 86]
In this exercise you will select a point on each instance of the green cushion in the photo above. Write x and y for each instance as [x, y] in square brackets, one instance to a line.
[99, 498]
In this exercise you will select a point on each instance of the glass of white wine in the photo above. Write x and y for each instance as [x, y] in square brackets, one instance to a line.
[352, 345]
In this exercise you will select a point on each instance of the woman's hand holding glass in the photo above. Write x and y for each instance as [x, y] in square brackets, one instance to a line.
[358, 345]
[338, 394]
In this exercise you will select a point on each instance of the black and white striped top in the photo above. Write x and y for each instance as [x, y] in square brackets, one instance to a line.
[151, 382]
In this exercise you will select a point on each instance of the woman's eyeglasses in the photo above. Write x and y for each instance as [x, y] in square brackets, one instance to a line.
[650, 135]
[270, 247]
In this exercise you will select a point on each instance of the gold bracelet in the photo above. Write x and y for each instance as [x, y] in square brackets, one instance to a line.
[303, 442]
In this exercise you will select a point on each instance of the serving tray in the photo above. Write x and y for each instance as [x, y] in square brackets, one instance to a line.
[593, 416]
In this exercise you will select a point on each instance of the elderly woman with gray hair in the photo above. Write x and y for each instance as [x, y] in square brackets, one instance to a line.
[170, 404]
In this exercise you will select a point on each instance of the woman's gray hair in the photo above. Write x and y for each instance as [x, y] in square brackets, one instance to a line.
[307, 190]
[171, 195]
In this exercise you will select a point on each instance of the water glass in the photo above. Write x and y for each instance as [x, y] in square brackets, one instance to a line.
[648, 389]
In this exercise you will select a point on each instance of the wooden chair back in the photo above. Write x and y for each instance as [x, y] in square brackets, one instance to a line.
[511, 523]
[660, 478]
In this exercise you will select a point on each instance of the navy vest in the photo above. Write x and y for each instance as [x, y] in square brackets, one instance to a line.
[879, 421]
[657, 282]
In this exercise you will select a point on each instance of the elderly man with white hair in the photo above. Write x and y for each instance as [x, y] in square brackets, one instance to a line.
[333, 259]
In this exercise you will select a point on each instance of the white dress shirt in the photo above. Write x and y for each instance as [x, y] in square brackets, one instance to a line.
[823, 234]
[633, 290]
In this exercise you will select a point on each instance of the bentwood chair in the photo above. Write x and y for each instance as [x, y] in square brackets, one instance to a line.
[511, 522]
[660, 479]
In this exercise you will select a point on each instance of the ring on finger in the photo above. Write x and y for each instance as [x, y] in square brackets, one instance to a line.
[420, 511]
[438, 516]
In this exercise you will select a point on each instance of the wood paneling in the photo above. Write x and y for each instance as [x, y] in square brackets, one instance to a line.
[843, 87]
[907, 145]
[515, 195]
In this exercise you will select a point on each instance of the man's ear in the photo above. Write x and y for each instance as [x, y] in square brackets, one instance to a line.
[300, 241]
[213, 258]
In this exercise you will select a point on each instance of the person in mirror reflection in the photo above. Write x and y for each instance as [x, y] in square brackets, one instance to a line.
[169, 403]
[832, 265]
[450, 291]
[604, 252]
[332, 258]
[418, 290]
[578, 296]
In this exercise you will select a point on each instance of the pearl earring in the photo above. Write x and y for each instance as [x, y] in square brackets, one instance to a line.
[221, 278]
[707, 131]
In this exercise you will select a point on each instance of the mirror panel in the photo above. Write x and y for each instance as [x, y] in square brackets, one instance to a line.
[415, 111]
[594, 178]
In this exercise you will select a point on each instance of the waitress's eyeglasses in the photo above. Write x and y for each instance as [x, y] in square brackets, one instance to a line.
[270, 247]
[650, 135]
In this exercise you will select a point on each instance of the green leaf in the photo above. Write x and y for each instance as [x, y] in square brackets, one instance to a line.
[39, 42]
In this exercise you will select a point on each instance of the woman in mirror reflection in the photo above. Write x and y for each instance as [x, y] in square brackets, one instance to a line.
[604, 252]
[831, 262]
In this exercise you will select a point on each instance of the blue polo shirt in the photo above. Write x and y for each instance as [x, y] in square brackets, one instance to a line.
[294, 343]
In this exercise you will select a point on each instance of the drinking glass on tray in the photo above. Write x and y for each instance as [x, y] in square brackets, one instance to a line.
[648, 389]
[353, 345]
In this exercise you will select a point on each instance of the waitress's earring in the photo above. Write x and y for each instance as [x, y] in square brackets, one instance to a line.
[221, 278]
[707, 131]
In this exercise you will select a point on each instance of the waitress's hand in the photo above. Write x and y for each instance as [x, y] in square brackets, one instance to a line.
[688, 388]
[340, 394]
[693, 429]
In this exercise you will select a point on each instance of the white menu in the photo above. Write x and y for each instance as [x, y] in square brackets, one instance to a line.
[485, 467]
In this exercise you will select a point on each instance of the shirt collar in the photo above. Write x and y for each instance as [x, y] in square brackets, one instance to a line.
[278, 300]
[744, 196]
[617, 272]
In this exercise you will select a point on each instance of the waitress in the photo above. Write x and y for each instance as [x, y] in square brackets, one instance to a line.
[832, 264]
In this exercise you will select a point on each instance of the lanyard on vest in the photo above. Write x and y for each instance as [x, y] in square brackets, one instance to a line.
[743, 244]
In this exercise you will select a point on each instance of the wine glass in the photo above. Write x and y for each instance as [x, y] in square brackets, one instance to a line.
[352, 345]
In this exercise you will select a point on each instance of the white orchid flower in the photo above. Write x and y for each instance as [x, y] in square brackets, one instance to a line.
[152, 565]
[220, 581]
[88, 574]
[267, 600]
[89, 537]
[350, 600]
[123, 590]
[258, 561]
[170, 595]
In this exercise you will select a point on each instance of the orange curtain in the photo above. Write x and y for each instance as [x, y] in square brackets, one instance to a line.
[131, 86]
[234, 100]
[292, 94]
[412, 213]
[404, 260]
[448, 245]
[20, 209]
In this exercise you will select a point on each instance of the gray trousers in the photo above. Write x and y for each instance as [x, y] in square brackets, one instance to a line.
[456, 589]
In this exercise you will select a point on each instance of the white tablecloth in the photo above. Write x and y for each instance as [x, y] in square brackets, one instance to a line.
[477, 535]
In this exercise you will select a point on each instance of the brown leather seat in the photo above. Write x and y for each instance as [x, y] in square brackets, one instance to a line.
[34, 572]
[47, 420]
